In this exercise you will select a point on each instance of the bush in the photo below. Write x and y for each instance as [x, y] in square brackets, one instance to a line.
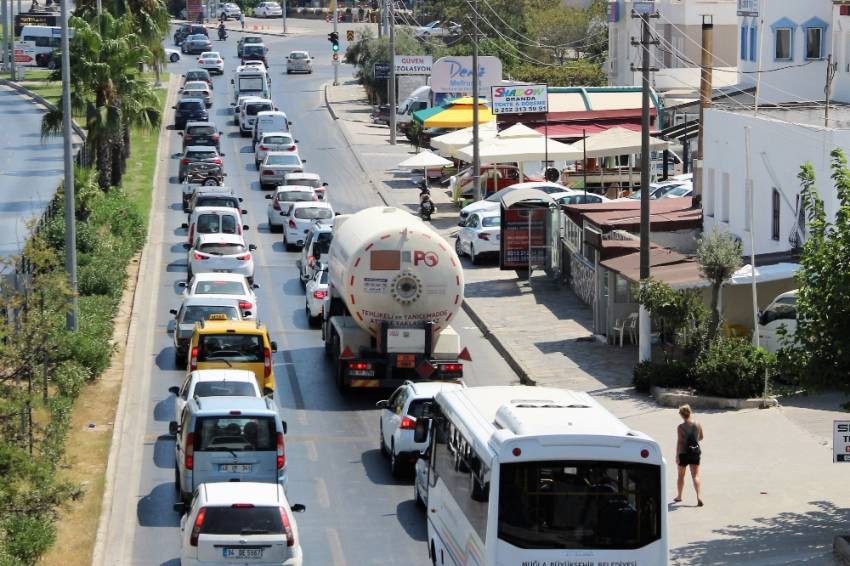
[28, 537]
[69, 377]
[579, 73]
[101, 275]
[672, 374]
[732, 367]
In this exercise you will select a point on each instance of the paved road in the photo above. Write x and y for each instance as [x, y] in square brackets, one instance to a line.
[30, 170]
[356, 513]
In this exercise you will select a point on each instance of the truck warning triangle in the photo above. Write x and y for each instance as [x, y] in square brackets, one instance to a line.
[464, 355]
[346, 354]
[425, 369]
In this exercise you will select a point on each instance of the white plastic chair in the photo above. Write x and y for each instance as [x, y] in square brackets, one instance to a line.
[628, 324]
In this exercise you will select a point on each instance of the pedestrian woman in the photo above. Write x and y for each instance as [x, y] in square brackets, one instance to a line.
[242, 20]
[688, 452]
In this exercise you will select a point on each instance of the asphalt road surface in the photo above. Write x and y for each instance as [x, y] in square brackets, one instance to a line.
[356, 513]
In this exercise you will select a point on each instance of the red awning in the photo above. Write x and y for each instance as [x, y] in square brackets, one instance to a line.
[576, 129]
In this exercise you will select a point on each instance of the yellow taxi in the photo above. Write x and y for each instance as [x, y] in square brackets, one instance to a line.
[233, 344]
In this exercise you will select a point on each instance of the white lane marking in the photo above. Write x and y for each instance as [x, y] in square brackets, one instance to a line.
[337, 554]
[312, 452]
[322, 493]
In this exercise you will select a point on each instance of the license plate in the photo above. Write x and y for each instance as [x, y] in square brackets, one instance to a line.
[222, 270]
[236, 553]
[235, 468]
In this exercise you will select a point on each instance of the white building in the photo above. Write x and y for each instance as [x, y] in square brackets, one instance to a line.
[679, 29]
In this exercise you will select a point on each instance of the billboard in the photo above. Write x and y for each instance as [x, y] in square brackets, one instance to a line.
[413, 64]
[25, 53]
[519, 99]
[454, 74]
[523, 231]
[35, 19]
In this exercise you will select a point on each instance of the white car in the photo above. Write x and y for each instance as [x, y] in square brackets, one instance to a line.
[197, 309]
[214, 383]
[268, 10]
[438, 29]
[239, 523]
[299, 62]
[314, 253]
[221, 253]
[307, 180]
[301, 217]
[230, 11]
[493, 202]
[173, 55]
[317, 292]
[212, 62]
[282, 199]
[224, 286]
[248, 111]
[781, 313]
[277, 164]
[481, 234]
[398, 421]
[680, 192]
[579, 197]
[273, 141]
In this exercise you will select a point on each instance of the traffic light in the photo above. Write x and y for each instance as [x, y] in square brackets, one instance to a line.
[349, 35]
[333, 37]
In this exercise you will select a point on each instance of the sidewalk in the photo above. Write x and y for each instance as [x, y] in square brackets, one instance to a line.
[772, 494]
[274, 26]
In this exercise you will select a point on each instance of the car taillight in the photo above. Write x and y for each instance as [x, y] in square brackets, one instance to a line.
[264, 148]
[276, 205]
[292, 148]
[320, 294]
[184, 162]
[215, 136]
[267, 172]
[484, 236]
[292, 224]
[408, 423]
[359, 365]
[187, 138]
[451, 368]
[193, 361]
[244, 257]
[189, 451]
[199, 256]
[287, 527]
[219, 61]
[267, 362]
[245, 305]
[281, 452]
[196, 528]
[217, 160]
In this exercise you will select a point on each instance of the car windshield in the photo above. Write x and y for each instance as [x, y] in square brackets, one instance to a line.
[252, 108]
[294, 196]
[313, 213]
[230, 347]
[678, 192]
[235, 433]
[433, 24]
[211, 200]
[197, 313]
[200, 130]
[222, 249]
[491, 221]
[579, 504]
[277, 140]
[191, 105]
[242, 521]
[287, 159]
[224, 389]
[220, 288]
[217, 223]
[297, 55]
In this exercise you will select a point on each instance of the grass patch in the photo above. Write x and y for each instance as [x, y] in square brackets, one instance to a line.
[140, 168]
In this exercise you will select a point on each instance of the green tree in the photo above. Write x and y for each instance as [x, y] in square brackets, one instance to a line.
[822, 338]
[719, 256]
[559, 30]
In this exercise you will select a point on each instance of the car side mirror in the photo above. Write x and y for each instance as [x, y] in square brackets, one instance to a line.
[284, 425]
[303, 161]
[222, 154]
[296, 141]
[245, 227]
[187, 246]
[290, 123]
[298, 508]
[243, 211]
[461, 223]
[268, 391]
[240, 200]
[247, 314]
[185, 226]
[324, 184]
[420, 432]
[268, 197]
[233, 83]
[179, 133]
[174, 389]
[174, 107]
[255, 286]
[181, 284]
[221, 133]
[173, 428]
[382, 404]
[173, 311]
[179, 507]
[252, 247]
[274, 346]
[337, 213]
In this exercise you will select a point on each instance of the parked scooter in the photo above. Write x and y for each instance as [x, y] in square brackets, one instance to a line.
[426, 205]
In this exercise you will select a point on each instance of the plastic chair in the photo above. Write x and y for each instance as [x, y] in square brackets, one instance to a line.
[628, 324]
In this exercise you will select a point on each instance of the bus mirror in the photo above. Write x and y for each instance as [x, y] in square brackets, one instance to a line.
[420, 433]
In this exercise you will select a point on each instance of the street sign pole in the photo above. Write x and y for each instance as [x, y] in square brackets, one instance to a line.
[70, 209]
[391, 84]
[284, 15]
[336, 62]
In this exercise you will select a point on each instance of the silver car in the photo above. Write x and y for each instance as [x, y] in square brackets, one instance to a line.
[197, 309]
[221, 253]
[276, 165]
[196, 44]
[299, 62]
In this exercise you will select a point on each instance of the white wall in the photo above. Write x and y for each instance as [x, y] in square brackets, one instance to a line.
[777, 147]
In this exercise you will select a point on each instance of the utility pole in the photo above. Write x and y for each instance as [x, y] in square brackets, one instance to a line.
[283, 4]
[70, 218]
[476, 155]
[336, 25]
[100, 7]
[391, 84]
[5, 32]
[11, 36]
[644, 325]
[830, 74]
[381, 20]
[705, 102]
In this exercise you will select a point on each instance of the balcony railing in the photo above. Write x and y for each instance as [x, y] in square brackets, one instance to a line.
[748, 7]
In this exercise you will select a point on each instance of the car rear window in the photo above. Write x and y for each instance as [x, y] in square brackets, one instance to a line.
[222, 249]
[230, 347]
[252, 39]
[283, 160]
[490, 221]
[229, 202]
[325, 277]
[252, 108]
[294, 196]
[217, 223]
[315, 183]
[418, 407]
[224, 389]
[323, 242]
[312, 213]
[210, 55]
[197, 313]
[242, 521]
[235, 433]
[253, 49]
[279, 140]
[201, 130]
[296, 55]
[197, 76]
[220, 288]
[201, 30]
[191, 105]
[211, 154]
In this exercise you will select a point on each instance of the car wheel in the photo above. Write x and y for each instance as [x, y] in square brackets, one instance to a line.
[288, 72]
[189, 275]
[174, 57]
[458, 248]
[381, 444]
[257, 165]
[273, 228]
[396, 466]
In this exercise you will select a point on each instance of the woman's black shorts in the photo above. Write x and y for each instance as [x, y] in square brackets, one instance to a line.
[688, 459]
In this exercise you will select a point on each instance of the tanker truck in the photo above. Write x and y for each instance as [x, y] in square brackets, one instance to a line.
[394, 287]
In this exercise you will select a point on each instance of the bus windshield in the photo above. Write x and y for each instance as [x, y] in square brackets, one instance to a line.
[579, 504]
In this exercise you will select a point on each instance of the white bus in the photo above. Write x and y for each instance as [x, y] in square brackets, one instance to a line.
[532, 476]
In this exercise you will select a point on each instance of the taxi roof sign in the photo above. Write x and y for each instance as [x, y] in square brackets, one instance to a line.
[217, 316]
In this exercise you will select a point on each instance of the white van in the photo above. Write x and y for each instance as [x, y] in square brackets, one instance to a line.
[250, 80]
[419, 99]
[270, 121]
[781, 313]
[45, 38]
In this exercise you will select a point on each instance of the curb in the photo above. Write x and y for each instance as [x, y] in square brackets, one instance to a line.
[41, 100]
[841, 549]
[678, 397]
[503, 350]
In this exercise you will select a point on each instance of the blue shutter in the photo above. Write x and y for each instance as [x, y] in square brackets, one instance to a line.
[743, 42]
[753, 42]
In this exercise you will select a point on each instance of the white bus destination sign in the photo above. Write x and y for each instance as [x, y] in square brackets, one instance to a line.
[519, 99]
[413, 64]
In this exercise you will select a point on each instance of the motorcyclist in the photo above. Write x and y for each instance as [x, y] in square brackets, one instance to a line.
[426, 205]
[222, 31]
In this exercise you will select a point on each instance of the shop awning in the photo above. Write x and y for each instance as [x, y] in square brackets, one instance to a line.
[448, 144]
[454, 114]
[764, 273]
[577, 129]
[665, 265]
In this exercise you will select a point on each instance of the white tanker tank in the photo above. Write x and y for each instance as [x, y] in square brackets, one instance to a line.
[388, 265]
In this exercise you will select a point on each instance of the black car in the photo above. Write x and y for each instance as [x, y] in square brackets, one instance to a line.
[247, 40]
[185, 30]
[253, 52]
[189, 110]
[201, 133]
[198, 75]
[196, 44]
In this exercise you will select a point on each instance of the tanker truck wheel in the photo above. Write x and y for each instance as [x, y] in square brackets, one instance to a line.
[337, 352]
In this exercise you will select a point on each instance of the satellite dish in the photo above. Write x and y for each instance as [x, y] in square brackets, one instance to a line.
[552, 175]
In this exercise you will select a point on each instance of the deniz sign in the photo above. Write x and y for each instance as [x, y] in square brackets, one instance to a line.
[519, 99]
[454, 74]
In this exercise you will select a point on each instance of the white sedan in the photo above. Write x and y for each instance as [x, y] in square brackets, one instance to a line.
[212, 62]
[224, 286]
[273, 141]
[267, 10]
[480, 233]
[221, 253]
[281, 201]
[301, 216]
[214, 383]
[317, 292]
[173, 55]
[299, 62]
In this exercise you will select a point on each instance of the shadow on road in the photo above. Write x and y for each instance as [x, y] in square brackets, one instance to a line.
[163, 452]
[165, 359]
[154, 509]
[377, 468]
[163, 411]
[411, 518]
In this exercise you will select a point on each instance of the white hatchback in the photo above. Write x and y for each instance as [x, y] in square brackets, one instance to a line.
[317, 292]
[307, 180]
[481, 233]
[224, 286]
[302, 215]
[273, 141]
[282, 199]
[398, 421]
[212, 62]
[299, 62]
[239, 523]
[214, 383]
[221, 253]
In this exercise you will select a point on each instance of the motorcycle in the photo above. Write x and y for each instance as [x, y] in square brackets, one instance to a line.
[222, 34]
[426, 205]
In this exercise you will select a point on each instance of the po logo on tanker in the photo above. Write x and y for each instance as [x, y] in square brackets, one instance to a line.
[430, 259]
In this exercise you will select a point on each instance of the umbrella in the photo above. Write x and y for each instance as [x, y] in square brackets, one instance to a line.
[619, 141]
[508, 150]
[456, 113]
[424, 160]
[449, 144]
